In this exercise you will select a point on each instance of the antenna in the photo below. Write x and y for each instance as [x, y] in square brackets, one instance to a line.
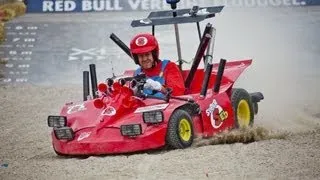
[173, 3]
[112, 69]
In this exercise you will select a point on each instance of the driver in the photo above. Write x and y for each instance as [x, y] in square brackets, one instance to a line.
[161, 74]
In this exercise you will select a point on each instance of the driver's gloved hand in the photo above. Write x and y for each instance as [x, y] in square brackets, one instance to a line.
[154, 85]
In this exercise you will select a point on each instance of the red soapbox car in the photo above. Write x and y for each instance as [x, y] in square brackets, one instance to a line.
[119, 118]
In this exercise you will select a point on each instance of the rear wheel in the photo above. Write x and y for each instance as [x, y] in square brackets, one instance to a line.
[242, 107]
[180, 130]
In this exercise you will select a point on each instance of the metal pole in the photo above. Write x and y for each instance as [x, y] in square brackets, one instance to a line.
[209, 54]
[212, 40]
[199, 31]
[176, 28]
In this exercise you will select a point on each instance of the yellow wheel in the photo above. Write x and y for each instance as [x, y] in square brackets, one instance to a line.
[184, 130]
[243, 113]
[180, 130]
[243, 108]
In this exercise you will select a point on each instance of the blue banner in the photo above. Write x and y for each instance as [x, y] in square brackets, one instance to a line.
[56, 6]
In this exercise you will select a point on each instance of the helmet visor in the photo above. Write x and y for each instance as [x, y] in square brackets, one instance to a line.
[142, 50]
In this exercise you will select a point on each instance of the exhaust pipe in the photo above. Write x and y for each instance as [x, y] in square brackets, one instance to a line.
[94, 86]
[206, 80]
[86, 89]
[121, 44]
[219, 75]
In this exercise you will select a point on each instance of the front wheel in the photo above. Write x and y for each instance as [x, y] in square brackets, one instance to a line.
[242, 107]
[180, 130]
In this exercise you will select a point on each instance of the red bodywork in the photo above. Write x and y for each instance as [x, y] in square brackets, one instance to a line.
[97, 131]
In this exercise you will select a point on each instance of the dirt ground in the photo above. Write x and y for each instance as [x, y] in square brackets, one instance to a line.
[26, 148]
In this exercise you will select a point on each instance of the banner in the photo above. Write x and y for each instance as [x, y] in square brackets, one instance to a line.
[65, 6]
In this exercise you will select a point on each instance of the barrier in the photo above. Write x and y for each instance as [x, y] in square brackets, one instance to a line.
[65, 6]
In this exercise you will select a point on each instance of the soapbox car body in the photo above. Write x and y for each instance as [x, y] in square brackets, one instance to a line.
[118, 118]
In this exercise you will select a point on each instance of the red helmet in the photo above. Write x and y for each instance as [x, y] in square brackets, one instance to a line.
[143, 43]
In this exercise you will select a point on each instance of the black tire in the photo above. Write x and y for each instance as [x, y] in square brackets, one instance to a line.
[180, 120]
[242, 108]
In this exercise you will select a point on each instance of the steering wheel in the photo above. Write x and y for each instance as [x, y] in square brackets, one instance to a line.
[136, 83]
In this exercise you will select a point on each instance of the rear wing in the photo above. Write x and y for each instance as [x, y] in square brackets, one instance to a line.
[193, 15]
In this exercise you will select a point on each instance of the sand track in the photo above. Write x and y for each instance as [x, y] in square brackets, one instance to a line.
[26, 148]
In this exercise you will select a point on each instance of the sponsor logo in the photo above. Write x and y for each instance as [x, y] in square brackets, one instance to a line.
[217, 114]
[153, 5]
[151, 108]
[83, 136]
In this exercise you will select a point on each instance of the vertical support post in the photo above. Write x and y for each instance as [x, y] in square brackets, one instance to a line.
[176, 28]
[209, 54]
[199, 31]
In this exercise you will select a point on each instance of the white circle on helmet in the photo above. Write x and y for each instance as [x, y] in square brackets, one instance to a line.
[141, 41]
